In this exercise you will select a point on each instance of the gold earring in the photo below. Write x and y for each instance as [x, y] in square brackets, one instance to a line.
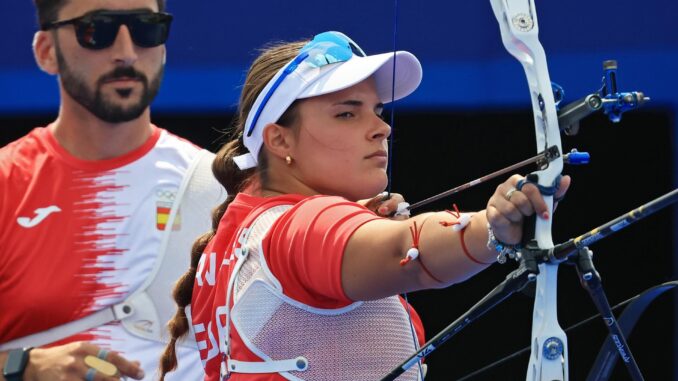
[288, 160]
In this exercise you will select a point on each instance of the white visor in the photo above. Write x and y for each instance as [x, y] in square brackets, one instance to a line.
[309, 81]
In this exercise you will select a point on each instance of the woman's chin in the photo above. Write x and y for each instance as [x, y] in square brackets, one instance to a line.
[371, 190]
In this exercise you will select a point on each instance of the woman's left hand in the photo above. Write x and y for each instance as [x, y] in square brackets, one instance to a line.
[385, 206]
[508, 207]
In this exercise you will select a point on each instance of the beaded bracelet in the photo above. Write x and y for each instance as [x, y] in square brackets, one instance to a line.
[504, 249]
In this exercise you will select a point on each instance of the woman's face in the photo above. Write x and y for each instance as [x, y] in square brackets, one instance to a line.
[341, 143]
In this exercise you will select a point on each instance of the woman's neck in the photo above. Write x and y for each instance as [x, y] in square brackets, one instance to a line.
[269, 192]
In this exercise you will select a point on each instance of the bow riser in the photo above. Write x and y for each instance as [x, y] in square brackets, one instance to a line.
[519, 29]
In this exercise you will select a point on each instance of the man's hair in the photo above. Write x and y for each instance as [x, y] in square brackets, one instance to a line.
[48, 10]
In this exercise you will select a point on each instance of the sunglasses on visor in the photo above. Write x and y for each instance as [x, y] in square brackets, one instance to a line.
[98, 30]
[325, 48]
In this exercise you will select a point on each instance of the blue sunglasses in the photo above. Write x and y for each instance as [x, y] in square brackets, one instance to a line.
[325, 48]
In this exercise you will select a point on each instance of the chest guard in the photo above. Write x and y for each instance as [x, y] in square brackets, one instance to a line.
[362, 341]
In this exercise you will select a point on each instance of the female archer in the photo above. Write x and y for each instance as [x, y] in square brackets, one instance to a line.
[298, 280]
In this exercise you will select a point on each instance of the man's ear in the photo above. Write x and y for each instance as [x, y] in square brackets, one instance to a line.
[44, 51]
[278, 140]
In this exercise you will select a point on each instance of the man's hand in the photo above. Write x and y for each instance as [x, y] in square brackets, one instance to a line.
[67, 362]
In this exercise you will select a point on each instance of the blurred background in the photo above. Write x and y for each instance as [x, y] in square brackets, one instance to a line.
[470, 116]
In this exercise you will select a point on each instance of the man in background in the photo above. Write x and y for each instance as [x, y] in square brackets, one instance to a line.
[92, 233]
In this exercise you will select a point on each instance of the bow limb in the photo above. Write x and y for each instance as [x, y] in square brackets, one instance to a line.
[519, 29]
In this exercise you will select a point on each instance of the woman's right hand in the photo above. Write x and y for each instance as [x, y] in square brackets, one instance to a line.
[385, 205]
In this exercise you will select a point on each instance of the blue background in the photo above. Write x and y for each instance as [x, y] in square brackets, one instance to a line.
[465, 65]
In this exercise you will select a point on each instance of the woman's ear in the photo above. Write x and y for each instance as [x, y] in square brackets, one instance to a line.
[278, 140]
[44, 51]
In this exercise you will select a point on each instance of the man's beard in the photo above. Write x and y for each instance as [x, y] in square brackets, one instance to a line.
[100, 106]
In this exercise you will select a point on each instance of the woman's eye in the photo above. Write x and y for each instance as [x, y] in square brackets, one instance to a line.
[380, 113]
[345, 115]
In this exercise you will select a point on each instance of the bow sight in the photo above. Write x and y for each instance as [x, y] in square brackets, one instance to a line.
[608, 99]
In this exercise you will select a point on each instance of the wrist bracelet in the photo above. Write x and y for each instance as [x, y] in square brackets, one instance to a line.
[504, 249]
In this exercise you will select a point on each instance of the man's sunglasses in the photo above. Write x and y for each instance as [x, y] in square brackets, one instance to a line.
[98, 30]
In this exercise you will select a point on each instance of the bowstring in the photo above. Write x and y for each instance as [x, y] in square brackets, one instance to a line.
[391, 138]
[390, 168]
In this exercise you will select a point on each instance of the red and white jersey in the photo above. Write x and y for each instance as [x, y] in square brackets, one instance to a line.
[77, 236]
[304, 251]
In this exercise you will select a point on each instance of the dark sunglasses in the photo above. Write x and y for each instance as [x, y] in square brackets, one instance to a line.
[98, 30]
